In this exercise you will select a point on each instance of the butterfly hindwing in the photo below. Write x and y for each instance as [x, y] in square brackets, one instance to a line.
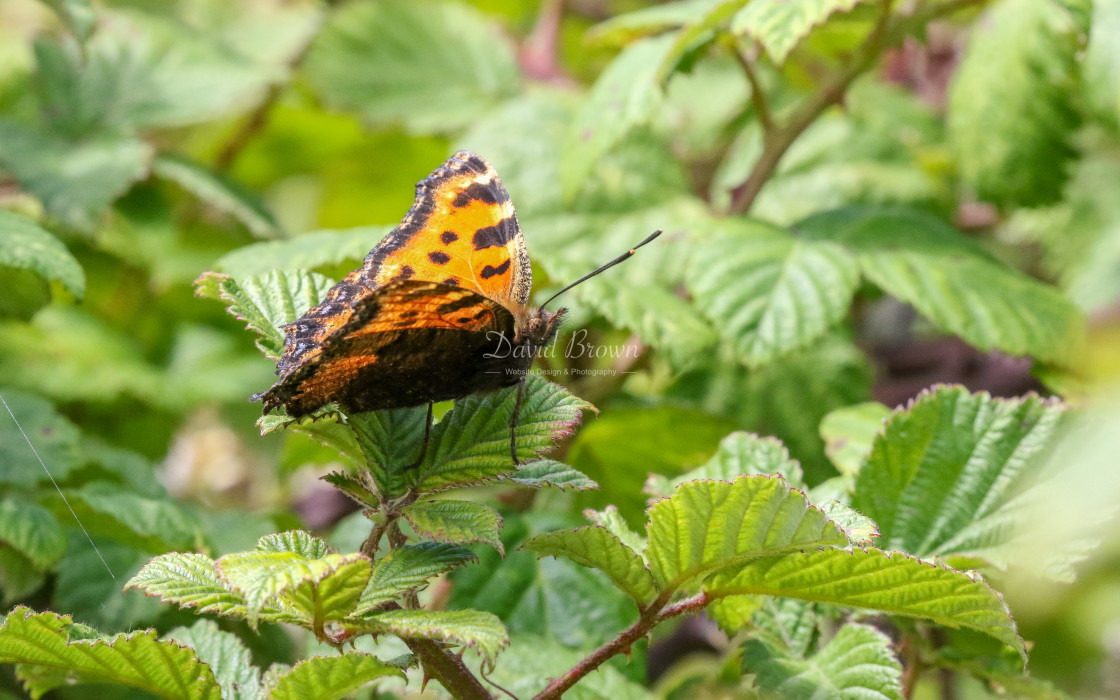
[462, 231]
[407, 343]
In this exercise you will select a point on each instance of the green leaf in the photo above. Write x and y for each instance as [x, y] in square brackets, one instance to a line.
[157, 523]
[549, 472]
[953, 282]
[858, 663]
[32, 531]
[599, 548]
[890, 582]
[408, 569]
[225, 654]
[739, 453]
[951, 459]
[549, 597]
[456, 522]
[471, 444]
[27, 246]
[610, 519]
[331, 677]
[1012, 105]
[188, 580]
[849, 432]
[656, 19]
[356, 487]
[217, 191]
[390, 441]
[770, 293]
[710, 525]
[859, 528]
[266, 302]
[84, 587]
[306, 251]
[143, 70]
[319, 589]
[657, 315]
[453, 66]
[297, 542]
[471, 628]
[75, 181]
[626, 95]
[778, 26]
[624, 446]
[41, 643]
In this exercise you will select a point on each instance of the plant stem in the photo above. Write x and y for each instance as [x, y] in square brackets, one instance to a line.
[448, 669]
[758, 95]
[779, 137]
[655, 614]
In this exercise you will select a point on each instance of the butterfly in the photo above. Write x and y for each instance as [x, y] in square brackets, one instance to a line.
[438, 310]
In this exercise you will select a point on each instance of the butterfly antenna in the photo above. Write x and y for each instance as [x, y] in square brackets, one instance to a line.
[622, 258]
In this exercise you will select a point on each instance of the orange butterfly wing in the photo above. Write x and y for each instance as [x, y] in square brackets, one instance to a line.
[410, 342]
[461, 231]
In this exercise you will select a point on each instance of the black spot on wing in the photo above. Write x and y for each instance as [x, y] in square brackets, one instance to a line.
[448, 237]
[411, 313]
[439, 257]
[496, 235]
[466, 301]
[406, 273]
[451, 281]
[478, 192]
[491, 271]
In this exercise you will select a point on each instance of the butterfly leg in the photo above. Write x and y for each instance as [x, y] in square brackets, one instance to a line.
[513, 421]
[427, 436]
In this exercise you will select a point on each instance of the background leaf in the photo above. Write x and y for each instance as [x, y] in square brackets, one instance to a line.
[25, 245]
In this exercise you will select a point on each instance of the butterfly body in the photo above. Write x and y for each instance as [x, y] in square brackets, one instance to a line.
[437, 311]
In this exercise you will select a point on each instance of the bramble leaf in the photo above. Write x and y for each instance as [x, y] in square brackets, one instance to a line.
[949, 463]
[26, 245]
[706, 526]
[217, 191]
[625, 95]
[768, 292]
[390, 441]
[549, 472]
[470, 628]
[1012, 110]
[53, 652]
[857, 663]
[266, 302]
[779, 25]
[471, 444]
[188, 580]
[456, 522]
[226, 655]
[32, 531]
[952, 281]
[320, 589]
[739, 453]
[891, 582]
[75, 181]
[849, 432]
[454, 66]
[330, 677]
[599, 548]
[409, 568]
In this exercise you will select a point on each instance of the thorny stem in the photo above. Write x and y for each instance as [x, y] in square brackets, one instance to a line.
[656, 613]
[780, 136]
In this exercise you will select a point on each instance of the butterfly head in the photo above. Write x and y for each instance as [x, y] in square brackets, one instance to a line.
[542, 327]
